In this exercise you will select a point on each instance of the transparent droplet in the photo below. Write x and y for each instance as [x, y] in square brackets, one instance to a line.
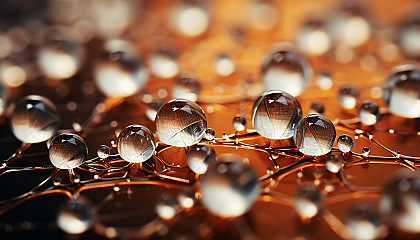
[166, 207]
[263, 15]
[317, 107]
[57, 181]
[103, 151]
[334, 162]
[408, 36]
[307, 202]
[187, 87]
[209, 134]
[224, 65]
[345, 143]
[180, 123]
[121, 73]
[349, 26]
[275, 115]
[324, 81]
[365, 151]
[229, 187]
[163, 64]
[400, 203]
[369, 113]
[402, 91]
[200, 156]
[190, 18]
[60, 56]
[285, 69]
[34, 119]
[186, 199]
[76, 178]
[239, 123]
[315, 135]
[11, 74]
[363, 222]
[136, 143]
[347, 97]
[76, 216]
[313, 39]
[68, 151]
[152, 109]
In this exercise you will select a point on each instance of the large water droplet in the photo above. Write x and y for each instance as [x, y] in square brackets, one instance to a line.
[136, 143]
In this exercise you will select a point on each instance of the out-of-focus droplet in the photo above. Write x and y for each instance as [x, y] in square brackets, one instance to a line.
[348, 96]
[364, 223]
[314, 135]
[166, 207]
[103, 151]
[209, 134]
[402, 91]
[408, 36]
[349, 26]
[313, 39]
[285, 69]
[239, 123]
[275, 115]
[76, 216]
[163, 64]
[190, 18]
[12, 75]
[136, 143]
[324, 81]
[200, 156]
[68, 151]
[334, 162]
[263, 15]
[369, 113]
[187, 87]
[6, 46]
[34, 119]
[317, 107]
[224, 65]
[180, 123]
[122, 64]
[229, 187]
[186, 199]
[400, 203]
[307, 202]
[345, 143]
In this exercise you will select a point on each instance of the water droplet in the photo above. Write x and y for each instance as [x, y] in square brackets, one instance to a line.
[76, 216]
[307, 202]
[180, 123]
[57, 181]
[402, 91]
[313, 38]
[190, 18]
[347, 97]
[224, 65]
[103, 151]
[275, 115]
[345, 143]
[76, 178]
[229, 187]
[317, 107]
[334, 162]
[200, 156]
[187, 87]
[34, 119]
[369, 113]
[363, 222]
[324, 81]
[239, 123]
[407, 37]
[365, 151]
[123, 64]
[166, 207]
[209, 134]
[286, 70]
[11, 74]
[400, 202]
[263, 15]
[68, 151]
[163, 64]
[315, 135]
[186, 199]
[61, 55]
[136, 143]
